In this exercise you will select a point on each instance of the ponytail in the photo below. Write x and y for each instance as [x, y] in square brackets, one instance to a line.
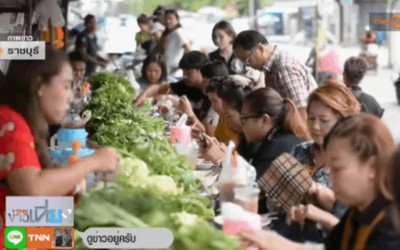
[292, 121]
[282, 111]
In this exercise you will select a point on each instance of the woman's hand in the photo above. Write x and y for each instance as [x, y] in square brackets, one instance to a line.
[299, 214]
[106, 160]
[186, 106]
[140, 99]
[214, 150]
[267, 240]
[302, 212]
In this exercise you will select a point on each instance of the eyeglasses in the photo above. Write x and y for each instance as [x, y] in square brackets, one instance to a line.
[244, 118]
[246, 61]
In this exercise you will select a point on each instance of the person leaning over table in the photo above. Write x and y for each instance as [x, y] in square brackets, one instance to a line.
[232, 90]
[223, 132]
[35, 94]
[191, 86]
[210, 122]
[232, 94]
[359, 149]
[326, 105]
[270, 123]
[283, 72]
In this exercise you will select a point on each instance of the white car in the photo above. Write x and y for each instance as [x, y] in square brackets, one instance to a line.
[118, 35]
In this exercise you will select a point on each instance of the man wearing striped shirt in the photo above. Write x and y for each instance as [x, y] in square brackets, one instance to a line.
[283, 72]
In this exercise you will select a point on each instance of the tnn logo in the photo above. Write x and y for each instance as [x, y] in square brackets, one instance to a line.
[39, 237]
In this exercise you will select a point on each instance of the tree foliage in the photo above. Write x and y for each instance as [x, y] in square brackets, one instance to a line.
[148, 6]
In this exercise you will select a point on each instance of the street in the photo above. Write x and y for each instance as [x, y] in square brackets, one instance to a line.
[380, 85]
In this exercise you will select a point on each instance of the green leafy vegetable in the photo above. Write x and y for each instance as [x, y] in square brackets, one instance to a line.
[155, 186]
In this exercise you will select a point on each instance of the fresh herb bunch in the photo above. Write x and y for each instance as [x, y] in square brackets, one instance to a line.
[115, 121]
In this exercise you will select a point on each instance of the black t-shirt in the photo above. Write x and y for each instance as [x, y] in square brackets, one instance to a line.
[234, 65]
[199, 100]
[90, 42]
[262, 154]
[368, 103]
[384, 236]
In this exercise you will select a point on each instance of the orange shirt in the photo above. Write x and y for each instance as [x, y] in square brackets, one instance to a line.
[223, 133]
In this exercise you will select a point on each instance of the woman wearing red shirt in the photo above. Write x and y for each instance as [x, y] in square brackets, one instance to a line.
[34, 95]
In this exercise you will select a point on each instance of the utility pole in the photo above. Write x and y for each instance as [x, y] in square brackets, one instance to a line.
[253, 13]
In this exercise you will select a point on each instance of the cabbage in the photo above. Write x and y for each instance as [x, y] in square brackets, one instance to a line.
[132, 169]
[164, 184]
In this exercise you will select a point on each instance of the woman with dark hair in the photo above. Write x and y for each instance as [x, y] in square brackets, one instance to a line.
[34, 95]
[232, 94]
[223, 35]
[154, 71]
[272, 121]
[174, 43]
[359, 149]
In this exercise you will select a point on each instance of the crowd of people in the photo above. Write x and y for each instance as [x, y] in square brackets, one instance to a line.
[266, 101]
[247, 91]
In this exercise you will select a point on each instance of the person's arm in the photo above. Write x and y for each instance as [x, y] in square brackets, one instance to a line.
[323, 195]
[101, 59]
[302, 212]
[268, 240]
[211, 122]
[210, 129]
[31, 181]
[89, 58]
[186, 108]
[184, 41]
[152, 91]
[214, 150]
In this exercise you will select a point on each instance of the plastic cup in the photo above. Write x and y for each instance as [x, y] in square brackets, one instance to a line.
[181, 135]
[226, 191]
[247, 198]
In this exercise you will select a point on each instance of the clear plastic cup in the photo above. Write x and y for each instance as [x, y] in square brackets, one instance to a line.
[247, 197]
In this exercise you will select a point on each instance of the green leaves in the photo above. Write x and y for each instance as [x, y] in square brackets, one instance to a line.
[143, 195]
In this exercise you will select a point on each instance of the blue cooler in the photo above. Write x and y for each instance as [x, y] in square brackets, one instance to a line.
[66, 136]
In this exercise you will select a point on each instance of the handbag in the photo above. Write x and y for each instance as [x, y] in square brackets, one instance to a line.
[286, 181]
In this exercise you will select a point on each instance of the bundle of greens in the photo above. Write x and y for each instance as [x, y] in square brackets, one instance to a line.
[114, 121]
[117, 206]
[155, 186]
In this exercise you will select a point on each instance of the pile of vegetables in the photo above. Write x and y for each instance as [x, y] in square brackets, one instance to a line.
[155, 186]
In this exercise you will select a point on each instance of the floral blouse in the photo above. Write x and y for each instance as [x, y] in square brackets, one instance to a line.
[304, 153]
